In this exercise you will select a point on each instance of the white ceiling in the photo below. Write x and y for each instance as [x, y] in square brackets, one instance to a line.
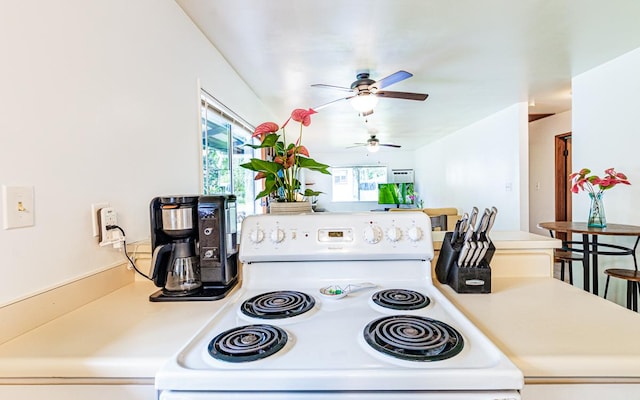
[473, 57]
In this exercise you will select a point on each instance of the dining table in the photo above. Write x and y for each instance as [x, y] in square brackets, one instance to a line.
[589, 246]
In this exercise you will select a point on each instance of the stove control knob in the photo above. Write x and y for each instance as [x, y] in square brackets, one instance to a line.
[277, 235]
[372, 234]
[394, 234]
[256, 236]
[415, 233]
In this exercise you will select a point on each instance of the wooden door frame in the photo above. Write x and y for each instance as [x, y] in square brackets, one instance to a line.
[563, 209]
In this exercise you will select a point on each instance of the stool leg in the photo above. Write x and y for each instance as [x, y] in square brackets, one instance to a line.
[630, 292]
[562, 270]
[571, 272]
[606, 287]
[634, 297]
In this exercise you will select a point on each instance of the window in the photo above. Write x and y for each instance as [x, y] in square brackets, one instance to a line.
[357, 183]
[224, 135]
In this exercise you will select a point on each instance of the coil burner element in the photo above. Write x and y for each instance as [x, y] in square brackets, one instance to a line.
[276, 305]
[400, 299]
[247, 343]
[413, 338]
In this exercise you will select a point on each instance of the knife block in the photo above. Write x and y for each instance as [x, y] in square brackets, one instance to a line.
[448, 256]
[463, 279]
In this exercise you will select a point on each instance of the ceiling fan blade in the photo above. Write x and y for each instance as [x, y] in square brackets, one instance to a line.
[403, 95]
[397, 146]
[323, 86]
[320, 107]
[357, 145]
[391, 79]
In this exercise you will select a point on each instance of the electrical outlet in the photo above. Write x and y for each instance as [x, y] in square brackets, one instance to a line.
[108, 216]
[95, 218]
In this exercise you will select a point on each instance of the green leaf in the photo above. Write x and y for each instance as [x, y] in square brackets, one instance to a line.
[269, 141]
[309, 193]
[256, 164]
[247, 166]
[313, 165]
[270, 186]
[264, 193]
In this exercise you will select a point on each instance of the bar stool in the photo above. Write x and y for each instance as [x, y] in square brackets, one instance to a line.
[566, 257]
[631, 276]
[633, 284]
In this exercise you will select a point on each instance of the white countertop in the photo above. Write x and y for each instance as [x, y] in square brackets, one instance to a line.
[510, 240]
[121, 335]
[551, 329]
[548, 328]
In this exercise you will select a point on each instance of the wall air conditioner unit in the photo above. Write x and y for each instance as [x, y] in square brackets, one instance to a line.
[401, 176]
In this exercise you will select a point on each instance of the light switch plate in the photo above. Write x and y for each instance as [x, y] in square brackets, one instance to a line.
[17, 206]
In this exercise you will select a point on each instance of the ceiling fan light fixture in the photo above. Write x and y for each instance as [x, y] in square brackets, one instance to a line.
[364, 102]
[373, 147]
[365, 113]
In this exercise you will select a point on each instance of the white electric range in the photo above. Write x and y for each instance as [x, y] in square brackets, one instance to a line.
[338, 306]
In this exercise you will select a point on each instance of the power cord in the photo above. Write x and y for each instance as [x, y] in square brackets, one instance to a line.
[124, 243]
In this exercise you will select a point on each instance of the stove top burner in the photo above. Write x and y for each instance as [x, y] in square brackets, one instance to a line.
[413, 338]
[276, 305]
[247, 343]
[400, 299]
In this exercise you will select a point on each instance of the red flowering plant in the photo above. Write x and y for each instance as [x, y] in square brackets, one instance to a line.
[281, 173]
[583, 181]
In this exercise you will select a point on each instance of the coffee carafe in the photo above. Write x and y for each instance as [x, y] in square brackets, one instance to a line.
[182, 271]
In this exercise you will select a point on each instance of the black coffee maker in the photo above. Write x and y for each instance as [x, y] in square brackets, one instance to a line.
[195, 248]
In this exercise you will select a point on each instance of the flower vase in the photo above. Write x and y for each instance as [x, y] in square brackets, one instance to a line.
[597, 218]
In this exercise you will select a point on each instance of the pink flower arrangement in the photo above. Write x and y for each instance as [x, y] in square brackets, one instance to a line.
[581, 181]
[280, 173]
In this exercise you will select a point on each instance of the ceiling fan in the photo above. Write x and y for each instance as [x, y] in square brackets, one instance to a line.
[365, 91]
[373, 144]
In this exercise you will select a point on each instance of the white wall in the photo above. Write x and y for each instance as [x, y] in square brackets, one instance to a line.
[99, 102]
[542, 135]
[390, 158]
[605, 134]
[480, 165]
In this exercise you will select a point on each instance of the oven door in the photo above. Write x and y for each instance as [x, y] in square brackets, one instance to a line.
[378, 395]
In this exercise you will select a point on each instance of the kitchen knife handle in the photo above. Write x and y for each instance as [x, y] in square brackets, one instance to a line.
[483, 251]
[455, 235]
[482, 225]
[469, 234]
[472, 250]
[463, 253]
[473, 217]
[476, 255]
[464, 223]
[492, 219]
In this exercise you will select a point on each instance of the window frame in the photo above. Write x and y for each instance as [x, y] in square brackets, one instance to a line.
[355, 173]
[239, 133]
